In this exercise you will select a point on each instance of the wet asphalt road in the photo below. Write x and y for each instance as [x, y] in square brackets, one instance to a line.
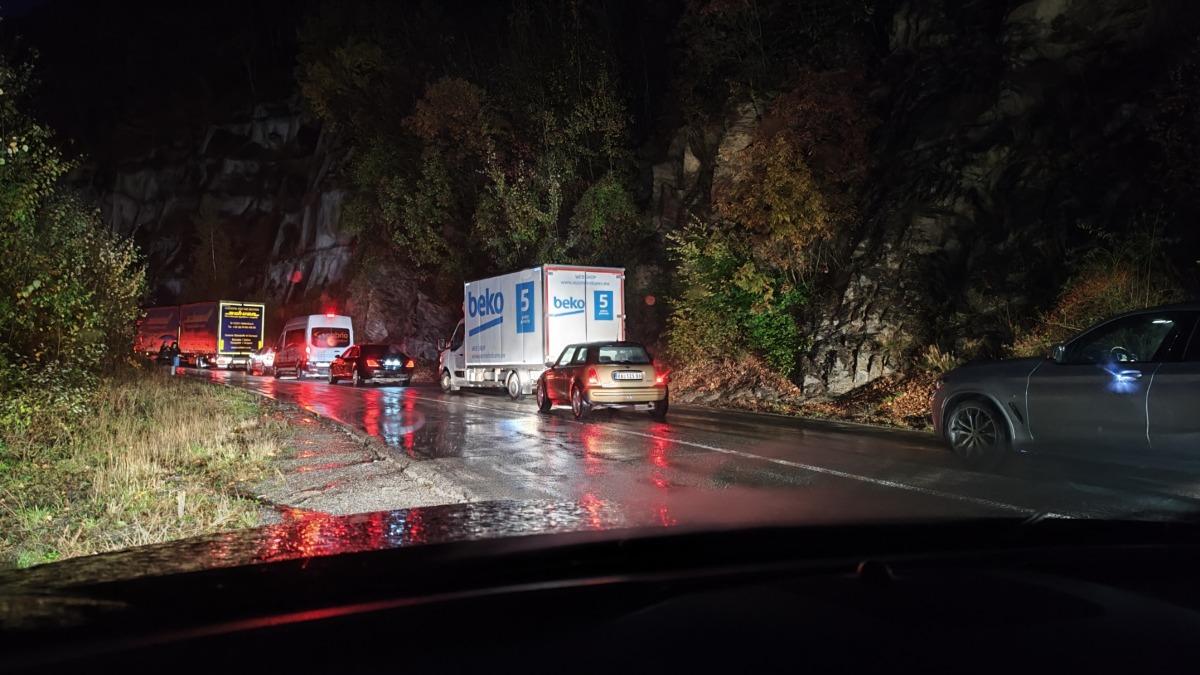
[709, 465]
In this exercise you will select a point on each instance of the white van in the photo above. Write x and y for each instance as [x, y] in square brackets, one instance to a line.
[308, 343]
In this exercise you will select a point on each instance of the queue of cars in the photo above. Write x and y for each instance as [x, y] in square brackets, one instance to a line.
[558, 331]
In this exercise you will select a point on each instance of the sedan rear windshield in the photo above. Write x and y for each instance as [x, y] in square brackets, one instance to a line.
[381, 350]
[331, 337]
[622, 354]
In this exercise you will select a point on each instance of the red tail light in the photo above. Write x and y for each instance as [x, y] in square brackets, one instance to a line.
[660, 378]
[592, 377]
[307, 350]
[372, 363]
[410, 364]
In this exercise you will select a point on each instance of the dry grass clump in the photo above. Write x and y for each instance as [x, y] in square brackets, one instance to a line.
[154, 458]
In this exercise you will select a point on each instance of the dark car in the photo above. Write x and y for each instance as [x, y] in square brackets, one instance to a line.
[604, 375]
[1126, 389]
[378, 363]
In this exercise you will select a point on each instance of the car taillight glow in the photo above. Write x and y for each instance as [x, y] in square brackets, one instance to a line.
[660, 378]
[410, 364]
[592, 377]
[330, 315]
[308, 350]
[372, 363]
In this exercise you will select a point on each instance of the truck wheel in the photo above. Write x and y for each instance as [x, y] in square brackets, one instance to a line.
[579, 407]
[513, 385]
[543, 399]
[447, 382]
[659, 412]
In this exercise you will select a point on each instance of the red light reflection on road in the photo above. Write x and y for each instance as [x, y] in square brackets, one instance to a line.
[594, 506]
[371, 413]
[659, 449]
[305, 534]
[664, 516]
[593, 465]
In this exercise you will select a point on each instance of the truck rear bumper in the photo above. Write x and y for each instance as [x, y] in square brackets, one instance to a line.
[230, 362]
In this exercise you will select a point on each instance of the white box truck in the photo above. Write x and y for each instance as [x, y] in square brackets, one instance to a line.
[515, 324]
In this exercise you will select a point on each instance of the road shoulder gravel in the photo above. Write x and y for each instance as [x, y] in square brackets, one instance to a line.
[331, 468]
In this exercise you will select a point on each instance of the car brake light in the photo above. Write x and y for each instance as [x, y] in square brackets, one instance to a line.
[660, 378]
[330, 315]
[372, 363]
[410, 364]
[307, 350]
[592, 377]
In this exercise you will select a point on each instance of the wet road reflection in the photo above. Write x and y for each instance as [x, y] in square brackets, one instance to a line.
[504, 450]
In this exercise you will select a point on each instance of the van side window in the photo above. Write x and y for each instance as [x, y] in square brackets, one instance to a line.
[294, 338]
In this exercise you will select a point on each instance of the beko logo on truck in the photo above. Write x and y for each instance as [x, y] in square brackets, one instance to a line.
[568, 303]
[485, 304]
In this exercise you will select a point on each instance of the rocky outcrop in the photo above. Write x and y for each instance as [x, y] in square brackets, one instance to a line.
[269, 179]
[1010, 131]
[388, 305]
[986, 176]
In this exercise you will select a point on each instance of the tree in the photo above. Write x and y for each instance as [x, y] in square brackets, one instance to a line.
[212, 263]
[68, 310]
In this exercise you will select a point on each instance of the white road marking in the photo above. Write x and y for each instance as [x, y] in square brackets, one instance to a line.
[882, 482]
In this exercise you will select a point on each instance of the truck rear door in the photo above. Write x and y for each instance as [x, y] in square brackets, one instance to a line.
[583, 304]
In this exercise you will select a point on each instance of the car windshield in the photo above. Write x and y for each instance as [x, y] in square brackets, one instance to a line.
[622, 267]
[623, 354]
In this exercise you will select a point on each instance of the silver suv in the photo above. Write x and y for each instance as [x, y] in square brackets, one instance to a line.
[1127, 388]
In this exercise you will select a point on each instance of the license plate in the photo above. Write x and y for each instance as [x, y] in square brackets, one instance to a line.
[627, 375]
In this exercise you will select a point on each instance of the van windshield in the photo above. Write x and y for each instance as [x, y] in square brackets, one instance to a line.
[330, 337]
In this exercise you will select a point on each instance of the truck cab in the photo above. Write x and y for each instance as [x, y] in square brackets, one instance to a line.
[452, 358]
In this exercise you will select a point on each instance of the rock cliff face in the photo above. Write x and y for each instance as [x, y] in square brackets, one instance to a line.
[1009, 131]
[269, 178]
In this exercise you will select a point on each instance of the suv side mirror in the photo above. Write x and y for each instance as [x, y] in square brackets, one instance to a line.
[1058, 353]
[442, 343]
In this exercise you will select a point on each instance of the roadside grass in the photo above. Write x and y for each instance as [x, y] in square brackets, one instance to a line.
[153, 458]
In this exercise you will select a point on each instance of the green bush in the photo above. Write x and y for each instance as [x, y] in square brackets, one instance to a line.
[69, 308]
[729, 304]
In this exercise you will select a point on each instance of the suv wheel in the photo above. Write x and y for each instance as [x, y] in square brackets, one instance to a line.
[977, 434]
